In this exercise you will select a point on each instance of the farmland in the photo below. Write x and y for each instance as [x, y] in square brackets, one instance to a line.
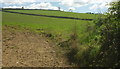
[47, 38]
[59, 13]
[51, 25]
[55, 30]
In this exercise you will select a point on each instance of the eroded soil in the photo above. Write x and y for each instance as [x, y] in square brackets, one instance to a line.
[27, 49]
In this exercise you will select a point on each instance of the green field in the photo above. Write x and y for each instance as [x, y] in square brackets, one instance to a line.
[59, 13]
[55, 26]
[63, 31]
[80, 39]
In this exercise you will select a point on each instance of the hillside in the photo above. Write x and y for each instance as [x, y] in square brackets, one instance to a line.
[56, 26]
[49, 38]
[59, 13]
[60, 32]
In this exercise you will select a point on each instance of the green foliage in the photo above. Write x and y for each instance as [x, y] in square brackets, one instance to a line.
[100, 47]
[109, 27]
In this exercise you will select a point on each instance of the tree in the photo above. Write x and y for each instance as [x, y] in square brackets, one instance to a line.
[109, 54]
[22, 7]
[59, 8]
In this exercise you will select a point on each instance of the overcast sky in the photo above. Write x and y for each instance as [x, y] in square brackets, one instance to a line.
[81, 6]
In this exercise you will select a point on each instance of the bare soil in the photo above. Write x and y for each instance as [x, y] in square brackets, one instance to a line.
[24, 48]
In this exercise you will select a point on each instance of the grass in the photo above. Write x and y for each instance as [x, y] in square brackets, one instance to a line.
[59, 13]
[51, 25]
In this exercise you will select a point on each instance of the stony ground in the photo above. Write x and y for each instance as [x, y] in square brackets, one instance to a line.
[27, 49]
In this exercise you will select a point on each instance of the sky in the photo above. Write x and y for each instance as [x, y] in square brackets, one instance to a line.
[79, 6]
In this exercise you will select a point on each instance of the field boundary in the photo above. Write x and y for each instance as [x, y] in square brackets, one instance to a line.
[47, 15]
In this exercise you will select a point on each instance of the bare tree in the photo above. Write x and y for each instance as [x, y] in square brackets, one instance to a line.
[59, 8]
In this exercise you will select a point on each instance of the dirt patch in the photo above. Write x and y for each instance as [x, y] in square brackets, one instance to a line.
[28, 49]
